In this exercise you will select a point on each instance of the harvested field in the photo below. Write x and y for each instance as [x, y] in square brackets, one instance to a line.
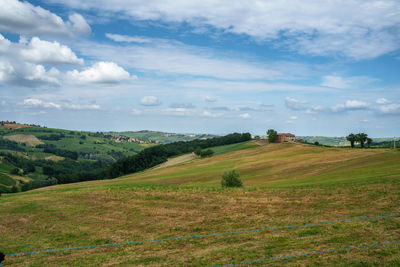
[28, 139]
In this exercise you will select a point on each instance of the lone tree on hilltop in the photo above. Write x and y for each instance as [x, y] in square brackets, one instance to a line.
[351, 138]
[362, 138]
[272, 134]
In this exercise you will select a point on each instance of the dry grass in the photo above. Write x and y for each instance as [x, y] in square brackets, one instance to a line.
[110, 214]
[28, 139]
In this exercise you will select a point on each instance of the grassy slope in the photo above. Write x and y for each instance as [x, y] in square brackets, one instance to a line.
[280, 165]
[102, 212]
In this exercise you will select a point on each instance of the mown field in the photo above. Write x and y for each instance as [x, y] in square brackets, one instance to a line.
[284, 184]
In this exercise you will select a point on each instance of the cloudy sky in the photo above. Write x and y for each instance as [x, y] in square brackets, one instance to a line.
[308, 67]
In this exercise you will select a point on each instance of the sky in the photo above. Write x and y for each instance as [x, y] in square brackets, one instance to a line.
[199, 66]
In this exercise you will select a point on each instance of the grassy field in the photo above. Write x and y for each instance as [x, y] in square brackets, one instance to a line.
[285, 184]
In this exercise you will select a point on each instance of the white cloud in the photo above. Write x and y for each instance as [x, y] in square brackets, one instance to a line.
[25, 18]
[40, 74]
[293, 117]
[178, 59]
[79, 24]
[6, 70]
[244, 116]
[207, 113]
[100, 72]
[33, 102]
[80, 107]
[150, 101]
[351, 105]
[389, 109]
[295, 104]
[334, 82]
[382, 101]
[40, 51]
[128, 39]
[352, 28]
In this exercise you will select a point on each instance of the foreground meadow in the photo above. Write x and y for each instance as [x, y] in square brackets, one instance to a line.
[122, 210]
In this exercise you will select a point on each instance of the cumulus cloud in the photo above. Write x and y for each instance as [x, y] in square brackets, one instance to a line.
[351, 105]
[24, 63]
[100, 72]
[40, 74]
[33, 102]
[295, 104]
[352, 28]
[150, 101]
[40, 51]
[128, 39]
[25, 18]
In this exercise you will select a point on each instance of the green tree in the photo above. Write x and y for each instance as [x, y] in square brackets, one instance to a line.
[231, 179]
[272, 134]
[351, 138]
[362, 138]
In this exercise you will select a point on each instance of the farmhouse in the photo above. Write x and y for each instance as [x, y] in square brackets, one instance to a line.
[285, 137]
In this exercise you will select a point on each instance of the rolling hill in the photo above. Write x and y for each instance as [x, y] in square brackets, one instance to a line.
[284, 184]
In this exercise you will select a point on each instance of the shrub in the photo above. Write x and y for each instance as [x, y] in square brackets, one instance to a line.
[231, 179]
[206, 153]
[316, 143]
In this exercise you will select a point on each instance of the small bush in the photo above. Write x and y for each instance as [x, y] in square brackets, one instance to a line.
[206, 153]
[231, 179]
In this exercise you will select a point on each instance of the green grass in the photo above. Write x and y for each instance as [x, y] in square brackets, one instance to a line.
[233, 147]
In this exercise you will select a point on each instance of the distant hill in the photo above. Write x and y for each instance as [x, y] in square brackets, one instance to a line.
[163, 137]
[34, 153]
[341, 141]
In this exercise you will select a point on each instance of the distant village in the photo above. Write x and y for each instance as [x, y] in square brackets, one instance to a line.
[126, 139]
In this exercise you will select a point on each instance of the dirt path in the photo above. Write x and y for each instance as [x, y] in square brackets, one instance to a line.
[177, 160]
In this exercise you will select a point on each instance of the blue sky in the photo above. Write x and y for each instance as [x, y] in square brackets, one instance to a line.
[307, 67]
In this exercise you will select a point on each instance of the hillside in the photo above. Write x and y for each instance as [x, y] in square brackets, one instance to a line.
[281, 165]
[28, 151]
[285, 184]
